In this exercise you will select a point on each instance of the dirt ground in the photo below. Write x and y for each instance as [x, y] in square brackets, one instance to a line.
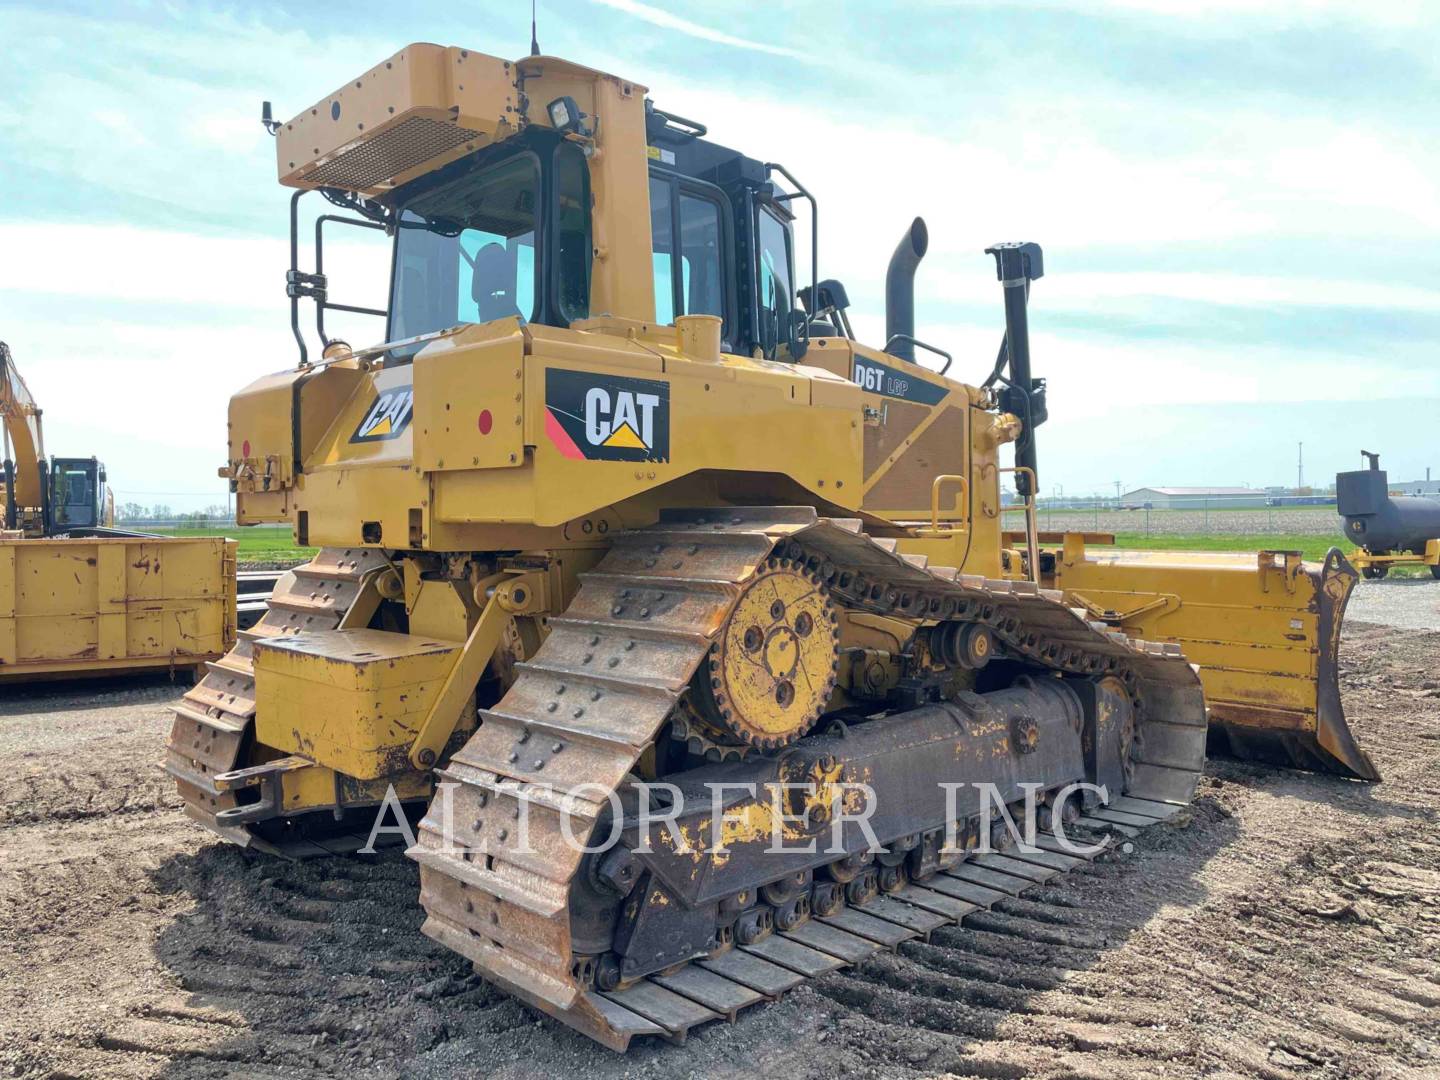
[1288, 927]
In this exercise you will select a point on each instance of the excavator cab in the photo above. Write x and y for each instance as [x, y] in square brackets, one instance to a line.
[78, 496]
[39, 498]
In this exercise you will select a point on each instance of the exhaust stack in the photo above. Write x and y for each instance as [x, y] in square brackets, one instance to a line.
[900, 290]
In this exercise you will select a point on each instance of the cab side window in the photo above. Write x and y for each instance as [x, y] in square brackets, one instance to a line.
[662, 242]
[702, 291]
[572, 232]
[777, 287]
[689, 256]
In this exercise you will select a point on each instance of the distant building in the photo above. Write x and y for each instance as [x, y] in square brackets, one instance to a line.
[1193, 498]
[1415, 487]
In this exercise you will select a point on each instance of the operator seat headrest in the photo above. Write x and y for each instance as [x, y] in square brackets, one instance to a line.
[492, 285]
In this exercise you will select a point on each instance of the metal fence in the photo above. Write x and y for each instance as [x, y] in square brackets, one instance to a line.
[1259, 518]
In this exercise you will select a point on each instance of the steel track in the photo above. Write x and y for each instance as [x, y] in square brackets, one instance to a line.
[597, 693]
[210, 731]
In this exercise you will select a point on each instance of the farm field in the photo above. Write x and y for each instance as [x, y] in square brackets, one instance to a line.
[257, 546]
[1311, 530]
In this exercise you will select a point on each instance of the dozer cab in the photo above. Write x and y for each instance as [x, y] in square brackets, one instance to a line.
[623, 532]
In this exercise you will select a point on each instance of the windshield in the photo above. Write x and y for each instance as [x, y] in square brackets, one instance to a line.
[74, 496]
[466, 253]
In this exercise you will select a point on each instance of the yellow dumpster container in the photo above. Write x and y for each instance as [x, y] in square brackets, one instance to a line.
[89, 607]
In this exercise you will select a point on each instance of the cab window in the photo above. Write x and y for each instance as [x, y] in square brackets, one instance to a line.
[777, 285]
[466, 253]
[688, 258]
[572, 231]
[701, 289]
[662, 242]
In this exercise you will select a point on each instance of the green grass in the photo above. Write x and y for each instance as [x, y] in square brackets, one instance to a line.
[1312, 547]
[254, 544]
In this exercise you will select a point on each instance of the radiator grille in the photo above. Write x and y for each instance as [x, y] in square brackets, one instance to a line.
[405, 146]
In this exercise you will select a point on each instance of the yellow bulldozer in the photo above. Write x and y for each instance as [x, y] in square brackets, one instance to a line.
[623, 532]
[79, 597]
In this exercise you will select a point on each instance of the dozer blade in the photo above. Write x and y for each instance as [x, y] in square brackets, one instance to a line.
[1264, 630]
[1261, 735]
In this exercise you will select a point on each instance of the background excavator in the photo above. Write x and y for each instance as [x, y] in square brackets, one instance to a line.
[619, 499]
[79, 597]
[61, 497]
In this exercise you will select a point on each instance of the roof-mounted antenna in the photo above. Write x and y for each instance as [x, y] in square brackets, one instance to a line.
[534, 42]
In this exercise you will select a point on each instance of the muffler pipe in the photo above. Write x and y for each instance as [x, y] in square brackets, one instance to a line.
[900, 290]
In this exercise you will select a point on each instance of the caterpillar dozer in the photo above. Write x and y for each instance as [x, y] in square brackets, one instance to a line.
[623, 532]
[79, 597]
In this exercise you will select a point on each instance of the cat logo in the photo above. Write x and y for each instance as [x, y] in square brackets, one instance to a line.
[388, 417]
[607, 417]
[627, 420]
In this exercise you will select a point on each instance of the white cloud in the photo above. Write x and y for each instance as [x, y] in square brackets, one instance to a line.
[1249, 175]
[211, 274]
[664, 19]
[1404, 14]
[133, 340]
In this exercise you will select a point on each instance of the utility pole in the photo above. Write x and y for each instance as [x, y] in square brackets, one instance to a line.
[1117, 492]
[1300, 470]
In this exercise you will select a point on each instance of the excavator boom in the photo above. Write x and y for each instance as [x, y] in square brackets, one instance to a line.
[24, 446]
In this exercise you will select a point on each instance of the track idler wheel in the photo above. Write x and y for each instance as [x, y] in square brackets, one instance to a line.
[863, 889]
[755, 925]
[792, 913]
[891, 878]
[827, 899]
[607, 972]
[964, 645]
[786, 889]
[771, 670]
[849, 868]
[1001, 838]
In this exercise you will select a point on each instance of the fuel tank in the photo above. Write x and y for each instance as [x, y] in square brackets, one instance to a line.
[1380, 522]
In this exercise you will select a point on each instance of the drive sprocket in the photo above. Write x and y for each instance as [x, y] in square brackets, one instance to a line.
[771, 671]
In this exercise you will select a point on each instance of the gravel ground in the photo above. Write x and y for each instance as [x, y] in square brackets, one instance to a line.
[1407, 603]
[1286, 927]
[1304, 521]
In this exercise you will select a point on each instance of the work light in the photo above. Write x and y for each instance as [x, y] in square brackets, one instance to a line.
[565, 115]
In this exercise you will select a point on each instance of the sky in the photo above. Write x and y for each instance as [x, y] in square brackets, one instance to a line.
[1239, 205]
